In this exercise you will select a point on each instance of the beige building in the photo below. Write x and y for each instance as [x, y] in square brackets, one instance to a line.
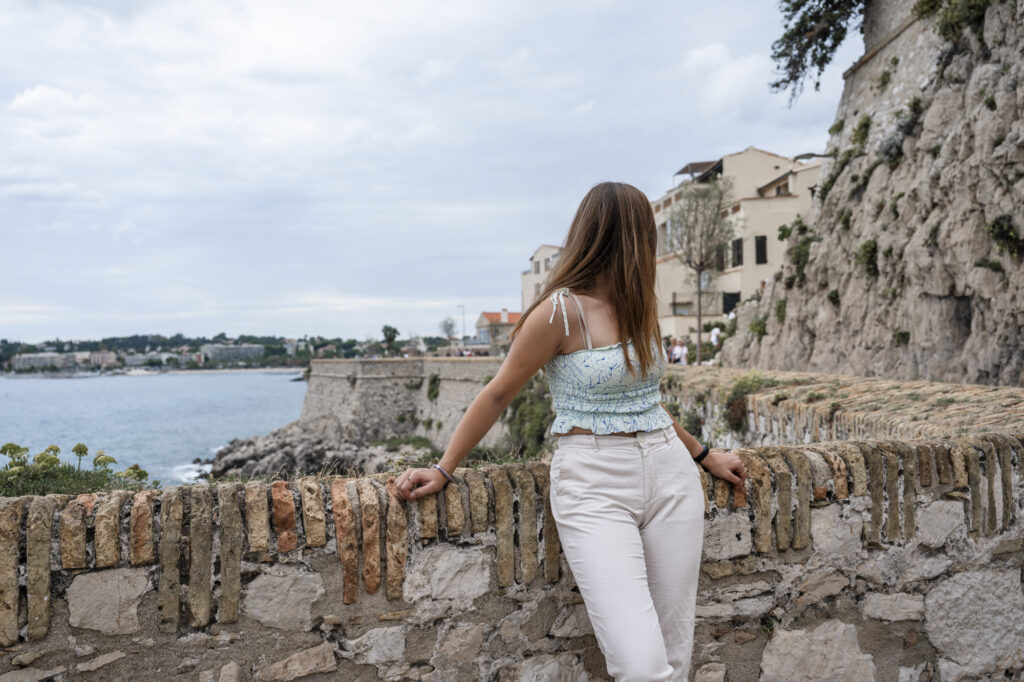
[541, 263]
[768, 191]
[492, 329]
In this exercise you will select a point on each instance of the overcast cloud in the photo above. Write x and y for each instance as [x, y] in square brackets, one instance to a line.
[329, 167]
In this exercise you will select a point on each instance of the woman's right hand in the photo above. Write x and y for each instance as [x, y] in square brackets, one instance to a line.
[412, 484]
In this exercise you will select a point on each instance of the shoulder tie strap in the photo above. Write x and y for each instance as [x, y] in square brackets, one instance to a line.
[558, 299]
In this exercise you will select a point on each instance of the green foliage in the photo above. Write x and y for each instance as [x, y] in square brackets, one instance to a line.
[942, 402]
[692, 423]
[836, 127]
[487, 379]
[936, 150]
[887, 252]
[933, 236]
[901, 337]
[784, 232]
[867, 257]
[46, 474]
[894, 205]
[433, 387]
[735, 406]
[991, 264]
[837, 169]
[861, 130]
[862, 182]
[778, 398]
[844, 218]
[80, 451]
[414, 384]
[909, 116]
[926, 8]
[529, 417]
[833, 297]
[799, 254]
[1004, 233]
[813, 396]
[673, 409]
[812, 32]
[759, 326]
[956, 15]
[883, 79]
[390, 334]
[780, 310]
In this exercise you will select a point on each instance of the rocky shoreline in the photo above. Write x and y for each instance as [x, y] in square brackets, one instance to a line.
[309, 446]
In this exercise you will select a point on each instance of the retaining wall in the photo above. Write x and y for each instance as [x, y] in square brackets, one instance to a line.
[889, 557]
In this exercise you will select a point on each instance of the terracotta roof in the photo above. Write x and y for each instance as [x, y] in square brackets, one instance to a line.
[496, 317]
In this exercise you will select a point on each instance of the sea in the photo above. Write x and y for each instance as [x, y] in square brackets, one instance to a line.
[161, 421]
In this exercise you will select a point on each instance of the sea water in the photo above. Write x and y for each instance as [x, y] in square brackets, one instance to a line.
[160, 421]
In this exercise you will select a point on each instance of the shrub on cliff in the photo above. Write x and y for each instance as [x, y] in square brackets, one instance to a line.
[45, 474]
[529, 417]
[735, 401]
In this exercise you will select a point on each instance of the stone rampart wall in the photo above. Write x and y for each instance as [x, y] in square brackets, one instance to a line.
[899, 555]
[377, 399]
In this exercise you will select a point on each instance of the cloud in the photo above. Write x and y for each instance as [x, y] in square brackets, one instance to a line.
[379, 162]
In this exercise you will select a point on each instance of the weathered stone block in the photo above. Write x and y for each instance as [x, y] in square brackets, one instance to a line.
[200, 554]
[727, 536]
[899, 606]
[256, 516]
[446, 572]
[141, 550]
[396, 543]
[370, 512]
[72, 535]
[107, 601]
[37, 568]
[504, 524]
[345, 527]
[284, 516]
[314, 522]
[283, 599]
[10, 530]
[318, 659]
[107, 538]
[170, 540]
[828, 652]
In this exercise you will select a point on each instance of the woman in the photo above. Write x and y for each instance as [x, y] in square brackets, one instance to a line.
[625, 489]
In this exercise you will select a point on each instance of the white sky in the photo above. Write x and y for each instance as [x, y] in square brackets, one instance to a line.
[331, 167]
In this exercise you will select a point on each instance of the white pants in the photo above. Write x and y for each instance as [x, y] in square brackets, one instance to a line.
[630, 517]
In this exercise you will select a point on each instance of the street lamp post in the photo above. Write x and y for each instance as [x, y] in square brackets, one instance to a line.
[463, 307]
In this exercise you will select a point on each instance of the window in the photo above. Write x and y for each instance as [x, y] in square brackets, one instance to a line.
[681, 307]
[547, 264]
[536, 267]
[782, 190]
[737, 252]
[760, 249]
[729, 301]
[719, 258]
[662, 238]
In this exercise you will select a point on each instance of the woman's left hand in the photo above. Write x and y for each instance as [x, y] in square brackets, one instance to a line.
[727, 465]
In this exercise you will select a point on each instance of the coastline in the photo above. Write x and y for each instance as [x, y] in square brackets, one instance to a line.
[135, 372]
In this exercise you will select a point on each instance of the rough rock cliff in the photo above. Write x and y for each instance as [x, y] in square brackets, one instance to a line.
[912, 262]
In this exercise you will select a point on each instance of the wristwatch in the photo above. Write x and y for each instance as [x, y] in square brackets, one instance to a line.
[702, 455]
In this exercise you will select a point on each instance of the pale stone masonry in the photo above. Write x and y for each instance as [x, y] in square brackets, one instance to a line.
[834, 542]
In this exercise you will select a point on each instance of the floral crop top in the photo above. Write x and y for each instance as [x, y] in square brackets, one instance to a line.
[593, 389]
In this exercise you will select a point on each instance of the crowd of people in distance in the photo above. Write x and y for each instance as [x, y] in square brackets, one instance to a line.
[679, 348]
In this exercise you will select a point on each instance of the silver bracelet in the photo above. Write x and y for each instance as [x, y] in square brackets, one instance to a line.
[441, 469]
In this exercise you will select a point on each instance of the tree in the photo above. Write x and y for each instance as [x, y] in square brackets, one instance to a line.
[447, 327]
[699, 231]
[813, 31]
[390, 334]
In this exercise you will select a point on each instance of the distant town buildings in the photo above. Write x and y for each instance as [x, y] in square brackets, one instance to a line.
[29, 361]
[535, 277]
[768, 191]
[493, 328]
[222, 352]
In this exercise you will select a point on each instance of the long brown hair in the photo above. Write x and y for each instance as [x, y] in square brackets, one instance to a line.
[614, 236]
